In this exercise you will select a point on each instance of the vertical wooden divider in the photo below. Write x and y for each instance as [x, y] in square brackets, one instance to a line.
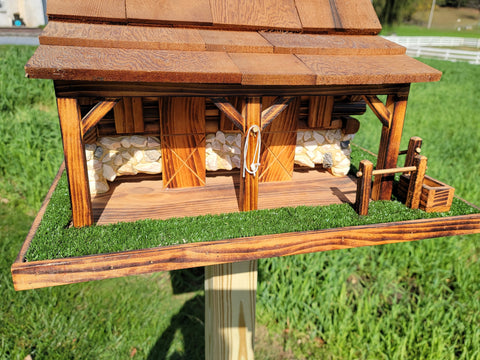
[389, 147]
[230, 289]
[364, 187]
[76, 163]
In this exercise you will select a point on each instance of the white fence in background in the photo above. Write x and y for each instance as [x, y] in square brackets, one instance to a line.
[436, 47]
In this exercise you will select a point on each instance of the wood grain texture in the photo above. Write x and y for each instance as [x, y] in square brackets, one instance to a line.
[169, 11]
[128, 114]
[389, 146]
[104, 64]
[273, 109]
[351, 70]
[230, 117]
[87, 9]
[414, 144]
[182, 129]
[364, 187]
[97, 113]
[378, 108]
[320, 111]
[230, 295]
[76, 163]
[272, 69]
[256, 14]
[279, 139]
[352, 17]
[121, 36]
[316, 44]
[30, 275]
[416, 182]
[235, 41]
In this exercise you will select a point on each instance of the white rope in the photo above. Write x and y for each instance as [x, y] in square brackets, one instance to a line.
[253, 167]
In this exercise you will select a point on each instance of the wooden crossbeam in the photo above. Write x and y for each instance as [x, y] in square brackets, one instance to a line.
[97, 113]
[272, 112]
[229, 110]
[379, 109]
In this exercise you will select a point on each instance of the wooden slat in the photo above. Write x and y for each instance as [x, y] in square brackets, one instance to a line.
[279, 139]
[270, 69]
[414, 191]
[226, 122]
[352, 17]
[315, 44]
[343, 70]
[169, 11]
[320, 111]
[87, 9]
[235, 41]
[97, 113]
[275, 108]
[256, 14]
[379, 109]
[229, 111]
[137, 115]
[121, 36]
[73, 148]
[183, 141]
[92, 64]
[364, 187]
[37, 274]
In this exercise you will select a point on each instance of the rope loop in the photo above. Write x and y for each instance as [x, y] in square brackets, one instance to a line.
[252, 169]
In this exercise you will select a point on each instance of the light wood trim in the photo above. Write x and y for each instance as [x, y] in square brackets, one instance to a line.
[274, 110]
[379, 109]
[97, 113]
[230, 112]
[389, 171]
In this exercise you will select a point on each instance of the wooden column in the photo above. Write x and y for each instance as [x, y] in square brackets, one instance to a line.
[364, 187]
[230, 291]
[76, 163]
[389, 146]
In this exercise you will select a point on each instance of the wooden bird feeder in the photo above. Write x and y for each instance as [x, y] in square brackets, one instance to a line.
[179, 72]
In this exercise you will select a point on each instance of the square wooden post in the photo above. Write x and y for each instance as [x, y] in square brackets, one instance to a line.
[390, 146]
[75, 160]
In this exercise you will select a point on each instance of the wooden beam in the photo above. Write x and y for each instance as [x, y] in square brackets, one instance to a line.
[272, 112]
[230, 112]
[75, 161]
[389, 146]
[378, 108]
[364, 187]
[416, 182]
[97, 113]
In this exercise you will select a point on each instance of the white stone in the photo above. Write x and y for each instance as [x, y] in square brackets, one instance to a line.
[108, 173]
[310, 154]
[210, 138]
[149, 168]
[299, 149]
[153, 142]
[211, 162]
[126, 142]
[319, 138]
[220, 136]
[310, 145]
[118, 160]
[152, 155]
[98, 152]
[138, 155]
[230, 139]
[93, 175]
[126, 169]
[225, 162]
[236, 161]
[340, 171]
[94, 164]
[126, 155]
[238, 140]
[138, 141]
[227, 149]
[216, 145]
[236, 150]
[98, 187]
[110, 143]
[338, 157]
[307, 135]
[89, 155]
[109, 156]
[318, 159]
[303, 160]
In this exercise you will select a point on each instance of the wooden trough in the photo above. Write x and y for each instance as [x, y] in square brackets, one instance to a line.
[179, 71]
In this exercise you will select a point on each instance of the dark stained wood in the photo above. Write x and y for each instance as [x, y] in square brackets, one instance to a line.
[350, 125]
[182, 128]
[235, 41]
[256, 14]
[275, 108]
[106, 64]
[169, 11]
[414, 145]
[74, 150]
[315, 44]
[364, 187]
[128, 114]
[351, 70]
[389, 147]
[416, 182]
[226, 124]
[97, 113]
[378, 108]
[272, 69]
[279, 139]
[229, 111]
[121, 36]
[30, 275]
[87, 9]
[351, 17]
[320, 111]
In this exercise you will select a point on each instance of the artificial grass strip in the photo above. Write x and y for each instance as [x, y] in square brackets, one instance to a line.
[54, 239]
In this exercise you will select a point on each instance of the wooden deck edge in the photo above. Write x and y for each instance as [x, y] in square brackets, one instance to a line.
[37, 274]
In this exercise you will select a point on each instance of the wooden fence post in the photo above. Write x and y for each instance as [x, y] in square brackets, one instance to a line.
[416, 182]
[364, 187]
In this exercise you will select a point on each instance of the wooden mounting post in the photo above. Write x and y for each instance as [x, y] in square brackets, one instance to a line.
[230, 291]
[364, 187]
[416, 182]
[72, 127]
[390, 146]
[414, 147]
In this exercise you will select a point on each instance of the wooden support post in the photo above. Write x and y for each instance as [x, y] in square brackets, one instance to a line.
[230, 291]
[364, 187]
[416, 182]
[249, 183]
[414, 146]
[73, 148]
[390, 146]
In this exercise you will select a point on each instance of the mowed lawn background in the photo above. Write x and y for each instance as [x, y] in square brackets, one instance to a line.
[418, 300]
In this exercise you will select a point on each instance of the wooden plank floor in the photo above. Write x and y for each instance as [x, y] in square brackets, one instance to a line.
[135, 198]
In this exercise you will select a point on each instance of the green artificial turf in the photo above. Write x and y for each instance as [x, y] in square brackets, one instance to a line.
[55, 239]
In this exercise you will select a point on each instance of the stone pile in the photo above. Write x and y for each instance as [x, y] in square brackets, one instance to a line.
[110, 157]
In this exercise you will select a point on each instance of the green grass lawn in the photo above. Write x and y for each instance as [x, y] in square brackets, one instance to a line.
[416, 300]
